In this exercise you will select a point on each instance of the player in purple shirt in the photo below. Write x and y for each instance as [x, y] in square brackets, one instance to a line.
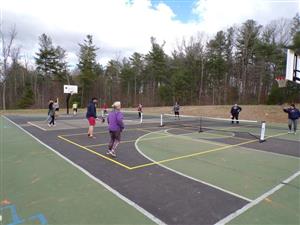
[115, 127]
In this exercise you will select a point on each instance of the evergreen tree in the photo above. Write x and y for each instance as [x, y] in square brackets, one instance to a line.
[46, 57]
[87, 65]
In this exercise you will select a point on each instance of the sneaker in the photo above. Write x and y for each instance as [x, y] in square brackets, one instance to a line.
[90, 136]
[112, 153]
[290, 132]
[49, 125]
[295, 133]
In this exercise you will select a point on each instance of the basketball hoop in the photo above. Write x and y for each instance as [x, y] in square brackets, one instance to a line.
[281, 81]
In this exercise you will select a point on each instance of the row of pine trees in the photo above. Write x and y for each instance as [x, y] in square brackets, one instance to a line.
[238, 64]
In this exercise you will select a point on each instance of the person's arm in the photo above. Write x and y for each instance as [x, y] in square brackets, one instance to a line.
[240, 109]
[231, 111]
[286, 110]
[94, 111]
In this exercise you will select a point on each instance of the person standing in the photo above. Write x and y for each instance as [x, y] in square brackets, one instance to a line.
[56, 105]
[235, 111]
[115, 127]
[75, 108]
[176, 109]
[103, 112]
[140, 110]
[51, 113]
[293, 116]
[91, 115]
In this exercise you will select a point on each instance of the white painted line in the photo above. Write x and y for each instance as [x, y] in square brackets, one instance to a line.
[33, 124]
[258, 200]
[113, 191]
[184, 175]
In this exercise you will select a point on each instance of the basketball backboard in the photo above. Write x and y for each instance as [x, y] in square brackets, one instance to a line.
[292, 66]
[70, 89]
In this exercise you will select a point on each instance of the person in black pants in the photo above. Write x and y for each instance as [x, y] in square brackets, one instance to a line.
[293, 115]
[51, 113]
[235, 110]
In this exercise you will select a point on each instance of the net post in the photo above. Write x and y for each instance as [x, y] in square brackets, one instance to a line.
[200, 125]
[141, 120]
[161, 120]
[262, 132]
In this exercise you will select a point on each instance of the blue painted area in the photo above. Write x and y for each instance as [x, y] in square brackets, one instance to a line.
[183, 9]
[40, 217]
[17, 220]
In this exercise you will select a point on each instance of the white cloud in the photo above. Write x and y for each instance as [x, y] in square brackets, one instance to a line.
[121, 27]
[220, 14]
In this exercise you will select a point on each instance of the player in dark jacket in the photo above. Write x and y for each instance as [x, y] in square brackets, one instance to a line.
[91, 115]
[235, 110]
[293, 116]
[176, 109]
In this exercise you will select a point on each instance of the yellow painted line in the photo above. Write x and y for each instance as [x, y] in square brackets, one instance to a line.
[199, 153]
[94, 152]
[128, 141]
[104, 132]
[105, 144]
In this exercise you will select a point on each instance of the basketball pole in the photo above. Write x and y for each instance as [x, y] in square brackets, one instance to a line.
[68, 99]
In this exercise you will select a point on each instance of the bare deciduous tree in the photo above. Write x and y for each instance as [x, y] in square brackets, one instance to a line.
[6, 50]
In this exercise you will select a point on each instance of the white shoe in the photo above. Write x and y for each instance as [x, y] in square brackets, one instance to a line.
[49, 125]
[290, 132]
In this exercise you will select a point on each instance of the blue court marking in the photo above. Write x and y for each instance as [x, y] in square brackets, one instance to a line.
[17, 220]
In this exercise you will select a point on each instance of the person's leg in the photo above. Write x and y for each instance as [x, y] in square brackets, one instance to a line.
[92, 123]
[237, 118]
[52, 120]
[232, 118]
[290, 125]
[111, 142]
[116, 142]
[295, 125]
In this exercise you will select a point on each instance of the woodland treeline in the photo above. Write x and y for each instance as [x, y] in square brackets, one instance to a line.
[238, 64]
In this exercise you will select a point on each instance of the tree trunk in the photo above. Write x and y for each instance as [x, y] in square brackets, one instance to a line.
[201, 82]
[82, 90]
[3, 96]
[225, 89]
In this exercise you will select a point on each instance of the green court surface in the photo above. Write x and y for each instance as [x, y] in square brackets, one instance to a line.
[282, 207]
[36, 180]
[244, 171]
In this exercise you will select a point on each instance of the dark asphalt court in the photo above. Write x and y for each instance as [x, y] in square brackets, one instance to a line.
[172, 198]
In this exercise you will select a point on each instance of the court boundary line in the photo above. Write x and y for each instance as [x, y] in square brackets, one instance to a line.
[240, 211]
[95, 153]
[136, 166]
[166, 135]
[197, 153]
[153, 162]
[190, 177]
[106, 186]
[37, 126]
[104, 132]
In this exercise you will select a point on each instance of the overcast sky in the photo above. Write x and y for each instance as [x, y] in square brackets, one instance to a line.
[121, 27]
